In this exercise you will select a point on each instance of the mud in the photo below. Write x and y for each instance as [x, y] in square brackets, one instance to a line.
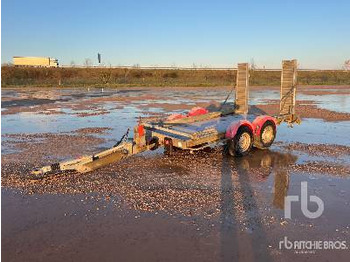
[89, 130]
[98, 113]
[205, 206]
[320, 167]
[93, 101]
[320, 149]
[37, 148]
[306, 109]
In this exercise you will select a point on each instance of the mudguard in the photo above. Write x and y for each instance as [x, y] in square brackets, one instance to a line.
[233, 128]
[259, 122]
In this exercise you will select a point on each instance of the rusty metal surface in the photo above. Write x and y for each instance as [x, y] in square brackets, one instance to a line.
[242, 89]
[288, 87]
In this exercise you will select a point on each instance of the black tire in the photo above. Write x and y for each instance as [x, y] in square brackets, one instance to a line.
[234, 148]
[154, 141]
[267, 143]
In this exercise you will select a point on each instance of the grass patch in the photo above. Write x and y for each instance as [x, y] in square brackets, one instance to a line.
[118, 77]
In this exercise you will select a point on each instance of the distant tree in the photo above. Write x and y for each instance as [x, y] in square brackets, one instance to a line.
[252, 64]
[7, 64]
[347, 65]
[158, 75]
[87, 62]
[126, 74]
[106, 76]
[72, 63]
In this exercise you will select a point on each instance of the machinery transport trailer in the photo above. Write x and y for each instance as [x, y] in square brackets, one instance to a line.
[235, 125]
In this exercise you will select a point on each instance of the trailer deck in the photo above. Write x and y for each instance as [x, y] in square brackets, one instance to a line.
[197, 133]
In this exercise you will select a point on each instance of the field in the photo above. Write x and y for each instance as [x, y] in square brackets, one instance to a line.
[123, 77]
[205, 206]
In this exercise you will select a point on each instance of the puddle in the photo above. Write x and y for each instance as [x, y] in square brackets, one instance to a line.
[124, 114]
[246, 193]
[333, 191]
[337, 103]
[316, 131]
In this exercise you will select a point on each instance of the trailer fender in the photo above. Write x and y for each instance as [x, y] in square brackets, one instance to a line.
[259, 122]
[231, 131]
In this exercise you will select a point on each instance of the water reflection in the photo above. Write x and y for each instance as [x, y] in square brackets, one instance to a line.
[239, 192]
[281, 185]
[270, 163]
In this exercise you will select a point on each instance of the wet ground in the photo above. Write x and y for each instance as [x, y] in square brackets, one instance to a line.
[187, 207]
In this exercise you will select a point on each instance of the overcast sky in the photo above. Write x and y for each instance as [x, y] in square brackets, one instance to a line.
[181, 33]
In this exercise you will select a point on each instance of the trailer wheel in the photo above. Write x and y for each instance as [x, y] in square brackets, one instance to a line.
[168, 146]
[154, 143]
[267, 134]
[242, 143]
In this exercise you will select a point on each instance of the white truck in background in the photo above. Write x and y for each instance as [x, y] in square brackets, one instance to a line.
[35, 61]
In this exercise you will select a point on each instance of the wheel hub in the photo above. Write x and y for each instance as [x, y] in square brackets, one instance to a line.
[244, 141]
[267, 134]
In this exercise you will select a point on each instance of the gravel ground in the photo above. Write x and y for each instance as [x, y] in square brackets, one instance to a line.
[320, 149]
[185, 183]
[308, 110]
[210, 206]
